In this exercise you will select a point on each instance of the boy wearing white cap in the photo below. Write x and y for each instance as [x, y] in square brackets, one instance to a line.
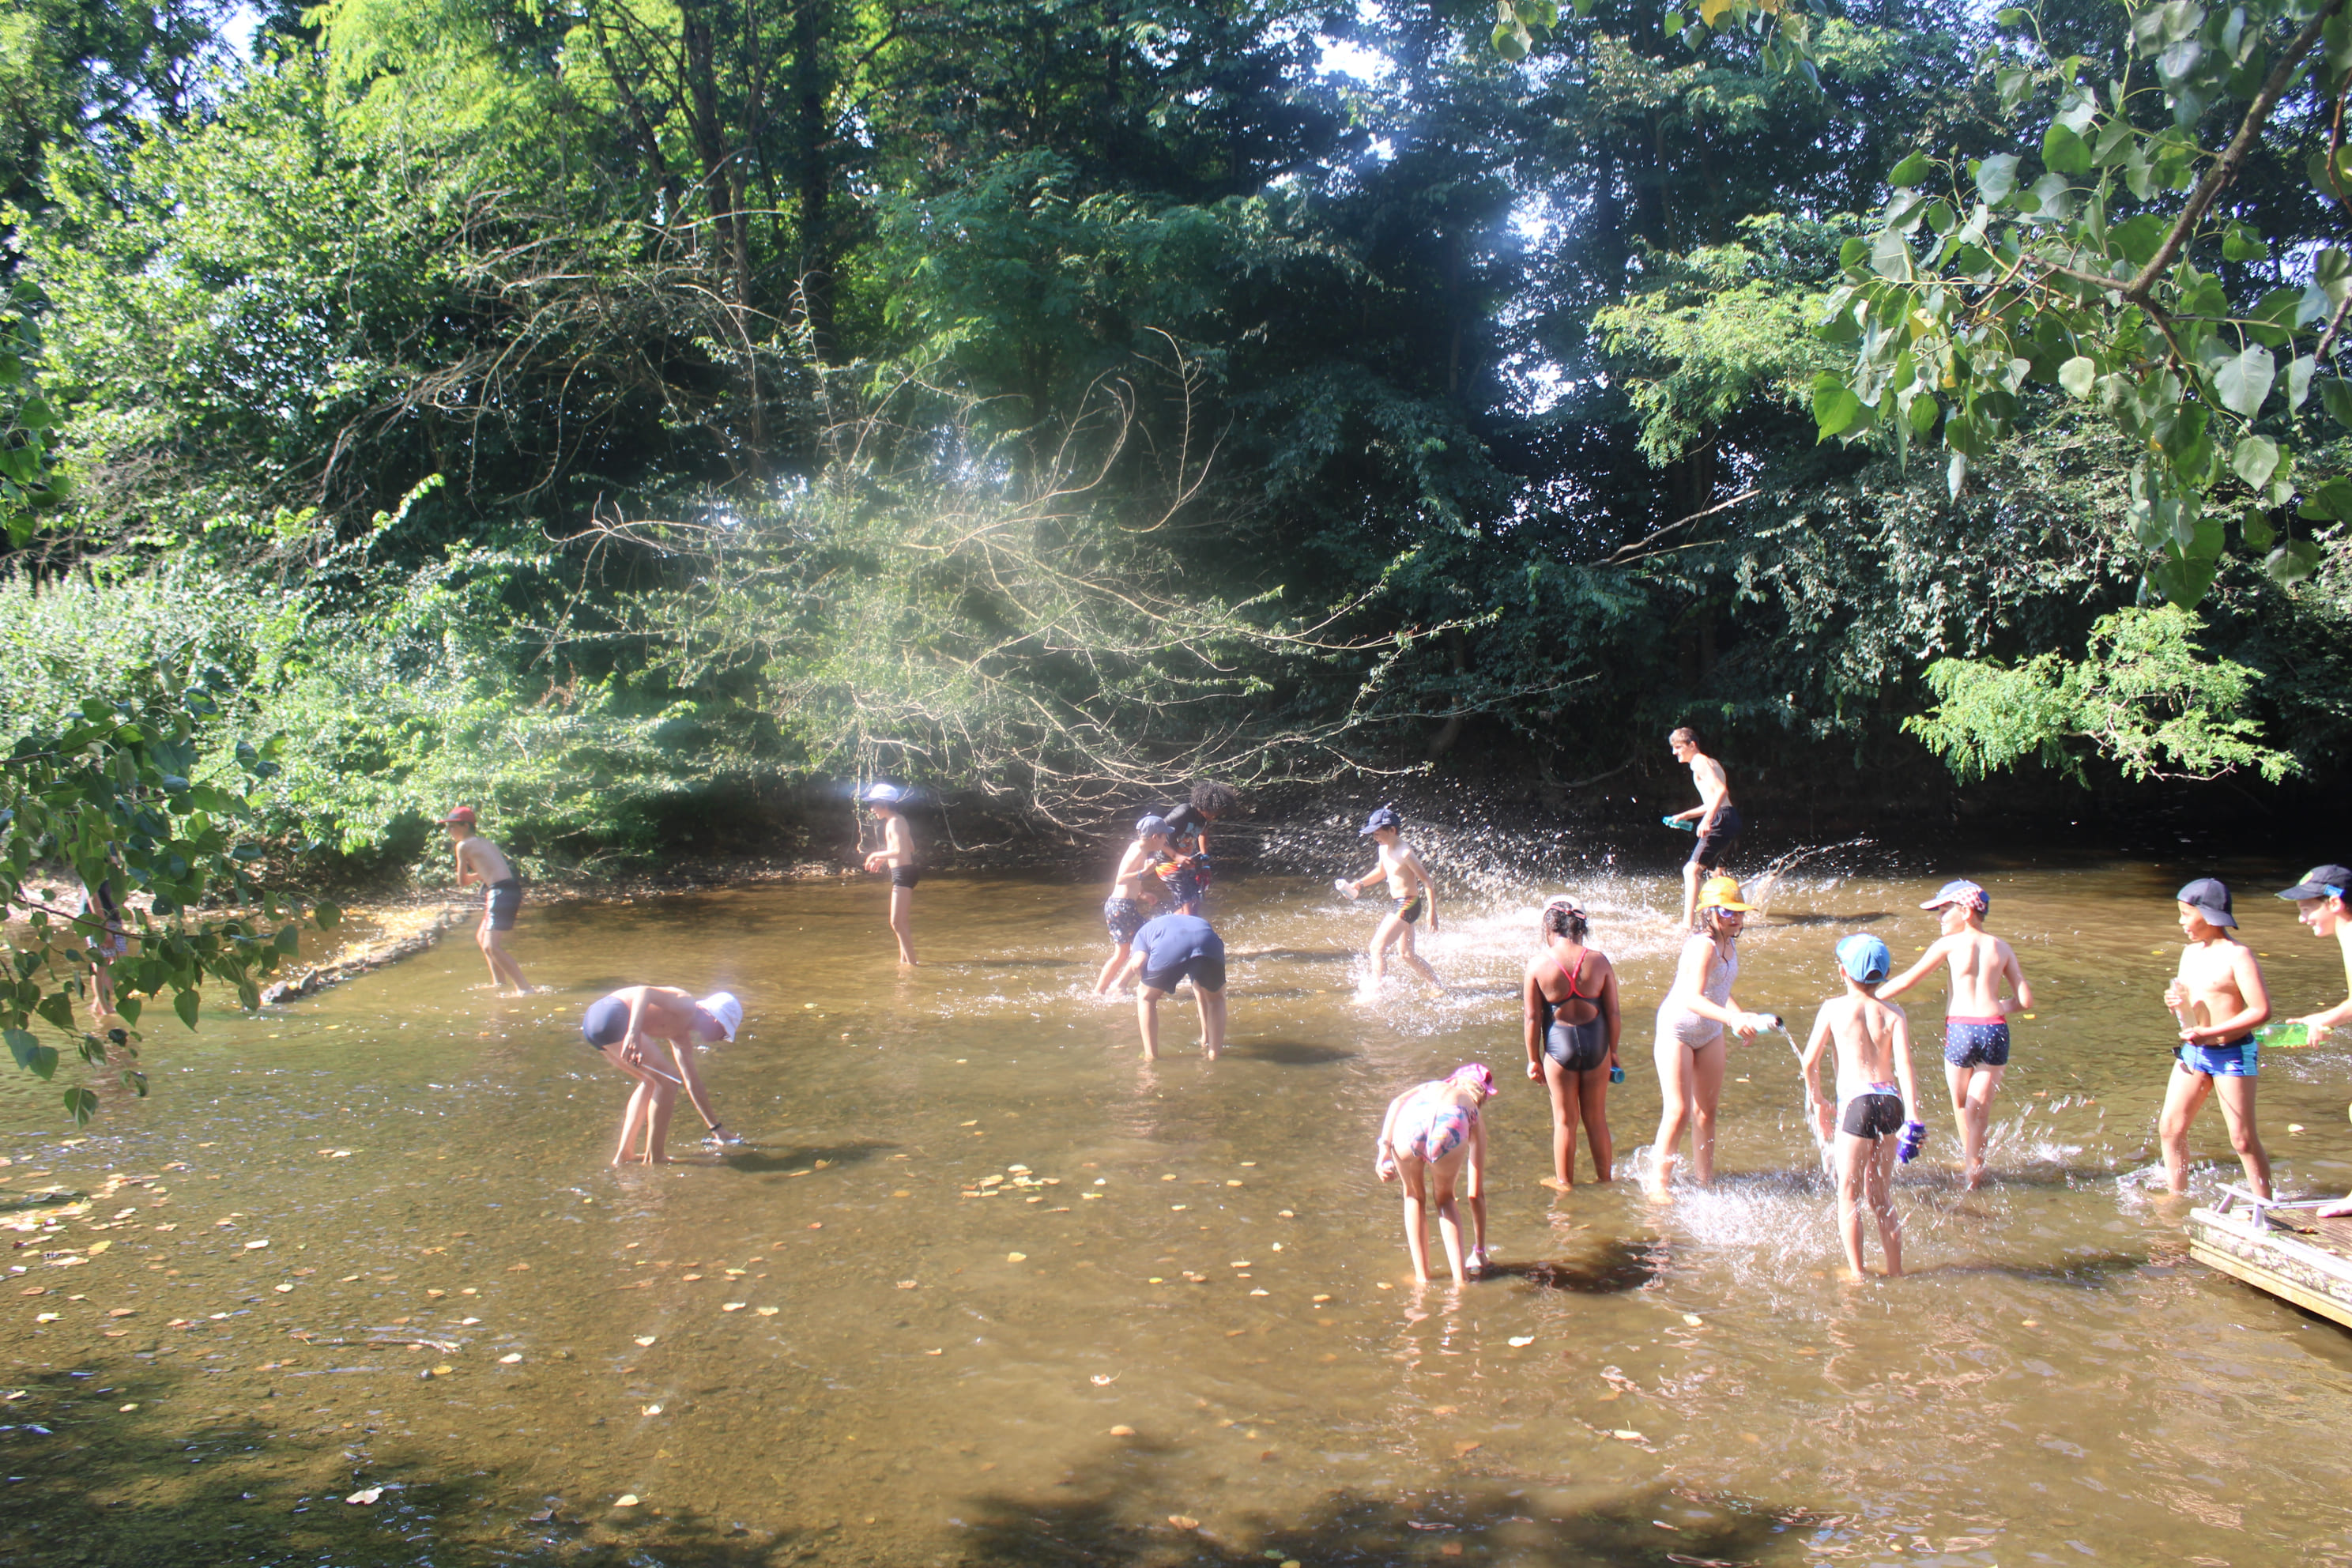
[1976, 1018]
[2219, 998]
[480, 860]
[618, 1025]
[897, 857]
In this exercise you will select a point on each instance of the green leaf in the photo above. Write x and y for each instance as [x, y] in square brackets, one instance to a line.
[2078, 375]
[2298, 381]
[2243, 381]
[1923, 410]
[2063, 151]
[2335, 396]
[2138, 239]
[2181, 582]
[2330, 502]
[290, 939]
[186, 1002]
[34, 1057]
[1510, 40]
[2242, 244]
[1996, 178]
[1836, 407]
[1909, 172]
[2293, 561]
[2255, 459]
[57, 1008]
[129, 1007]
[2257, 529]
[328, 914]
[81, 1105]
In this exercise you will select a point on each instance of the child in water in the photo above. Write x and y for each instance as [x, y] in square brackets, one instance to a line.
[1876, 1098]
[1409, 890]
[1976, 1020]
[898, 856]
[1432, 1132]
[1127, 907]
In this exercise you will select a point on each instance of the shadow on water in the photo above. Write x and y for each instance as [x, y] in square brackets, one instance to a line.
[1613, 1267]
[1094, 1522]
[764, 1161]
[2093, 1268]
[1291, 1053]
[1855, 919]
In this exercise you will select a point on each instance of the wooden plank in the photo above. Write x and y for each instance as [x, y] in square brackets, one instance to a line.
[2315, 1278]
[2264, 1280]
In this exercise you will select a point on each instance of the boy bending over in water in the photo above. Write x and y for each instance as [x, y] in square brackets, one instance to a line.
[480, 860]
[1876, 1097]
[1431, 1133]
[2219, 998]
[1409, 887]
[618, 1025]
[1124, 911]
[1168, 951]
[1976, 1019]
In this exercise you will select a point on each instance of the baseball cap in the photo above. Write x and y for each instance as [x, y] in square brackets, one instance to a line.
[724, 1007]
[1385, 816]
[1722, 893]
[881, 795]
[464, 813]
[2209, 898]
[2322, 882]
[1865, 958]
[1961, 891]
[1145, 826]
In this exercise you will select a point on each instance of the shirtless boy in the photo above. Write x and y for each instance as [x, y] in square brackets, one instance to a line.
[1716, 819]
[1187, 872]
[2218, 999]
[478, 860]
[618, 1026]
[897, 857]
[1130, 891]
[1876, 1099]
[2318, 901]
[1168, 951]
[1410, 890]
[1976, 1017]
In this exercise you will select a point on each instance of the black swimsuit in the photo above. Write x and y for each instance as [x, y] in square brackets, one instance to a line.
[1576, 1048]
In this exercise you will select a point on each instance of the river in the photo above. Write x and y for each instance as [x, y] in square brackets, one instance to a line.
[369, 1244]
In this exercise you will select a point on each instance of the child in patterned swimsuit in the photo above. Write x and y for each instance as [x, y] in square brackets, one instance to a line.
[1976, 1019]
[1432, 1134]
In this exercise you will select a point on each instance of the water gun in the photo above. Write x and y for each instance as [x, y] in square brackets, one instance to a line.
[1915, 1135]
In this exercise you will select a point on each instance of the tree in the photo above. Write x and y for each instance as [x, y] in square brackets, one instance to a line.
[103, 800]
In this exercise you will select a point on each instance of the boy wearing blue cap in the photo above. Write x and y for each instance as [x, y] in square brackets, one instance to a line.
[1976, 1017]
[897, 857]
[2220, 999]
[1124, 911]
[1409, 890]
[1876, 1098]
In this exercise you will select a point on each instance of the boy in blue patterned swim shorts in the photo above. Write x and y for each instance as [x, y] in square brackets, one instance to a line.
[2219, 997]
[1976, 1018]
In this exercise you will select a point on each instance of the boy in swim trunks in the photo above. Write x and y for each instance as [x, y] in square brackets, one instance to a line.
[1167, 951]
[1410, 890]
[480, 860]
[2318, 901]
[2219, 999]
[1125, 910]
[617, 1027]
[1716, 819]
[1976, 1018]
[1432, 1137]
[897, 857]
[1875, 1096]
[1187, 872]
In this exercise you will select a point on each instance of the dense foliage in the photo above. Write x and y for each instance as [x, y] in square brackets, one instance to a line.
[581, 409]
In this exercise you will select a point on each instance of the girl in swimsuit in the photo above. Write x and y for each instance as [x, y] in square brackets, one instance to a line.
[1572, 1025]
[1691, 1022]
[1431, 1133]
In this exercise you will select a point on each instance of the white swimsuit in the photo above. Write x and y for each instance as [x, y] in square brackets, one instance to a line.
[1702, 973]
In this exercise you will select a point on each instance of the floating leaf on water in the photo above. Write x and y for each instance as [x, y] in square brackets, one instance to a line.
[444, 1370]
[510, 1358]
[365, 1496]
[1122, 1431]
[281, 1290]
[120, 1311]
[467, 1322]
[542, 1517]
[1523, 1340]
[934, 1353]
[1467, 1447]
[627, 1499]
[128, 1409]
[435, 1295]
[652, 1410]
[1693, 1319]
[1259, 1292]
[44, 1317]
[2031, 1323]
[1183, 1521]
[1102, 1380]
[1323, 1298]
[2294, 1126]
[906, 1284]
[1178, 1208]
[116, 1334]
[734, 1306]
[1625, 1435]
[255, 1245]
[767, 1311]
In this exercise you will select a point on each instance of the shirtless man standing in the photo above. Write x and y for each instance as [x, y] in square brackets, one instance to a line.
[2219, 998]
[1716, 819]
[1976, 1018]
[897, 857]
[1876, 1099]
[1411, 892]
[618, 1026]
[480, 860]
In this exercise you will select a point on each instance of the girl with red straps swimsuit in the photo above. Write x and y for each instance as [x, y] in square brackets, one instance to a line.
[1572, 1024]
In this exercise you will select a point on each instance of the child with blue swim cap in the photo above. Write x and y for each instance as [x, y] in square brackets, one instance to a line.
[1876, 1098]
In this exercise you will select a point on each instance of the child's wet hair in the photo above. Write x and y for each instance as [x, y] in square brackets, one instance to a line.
[1563, 918]
[1211, 799]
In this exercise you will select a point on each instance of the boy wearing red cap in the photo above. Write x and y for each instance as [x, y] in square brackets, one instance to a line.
[2219, 999]
[478, 860]
[1976, 1018]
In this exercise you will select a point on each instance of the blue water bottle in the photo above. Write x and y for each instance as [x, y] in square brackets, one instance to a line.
[1616, 1073]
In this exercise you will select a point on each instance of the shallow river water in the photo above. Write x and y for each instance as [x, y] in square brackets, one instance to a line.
[370, 1241]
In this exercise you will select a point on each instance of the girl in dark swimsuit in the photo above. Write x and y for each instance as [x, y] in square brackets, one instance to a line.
[1572, 1025]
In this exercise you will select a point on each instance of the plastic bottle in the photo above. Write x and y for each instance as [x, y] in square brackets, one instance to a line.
[2284, 1036]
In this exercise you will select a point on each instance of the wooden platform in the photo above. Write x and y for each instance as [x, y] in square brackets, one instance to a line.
[2283, 1249]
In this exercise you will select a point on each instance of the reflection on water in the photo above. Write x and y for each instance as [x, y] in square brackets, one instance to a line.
[987, 1288]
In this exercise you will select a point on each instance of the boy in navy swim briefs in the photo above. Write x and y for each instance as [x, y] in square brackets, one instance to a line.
[1976, 1018]
[897, 857]
[1876, 1097]
[1167, 951]
[2219, 998]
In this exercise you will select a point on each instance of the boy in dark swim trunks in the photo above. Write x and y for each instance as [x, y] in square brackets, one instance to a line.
[897, 857]
[1976, 1018]
[1128, 905]
[1875, 1092]
[618, 1026]
[480, 860]
[1167, 951]
[1411, 893]
[1187, 873]
[1714, 818]
[2219, 998]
